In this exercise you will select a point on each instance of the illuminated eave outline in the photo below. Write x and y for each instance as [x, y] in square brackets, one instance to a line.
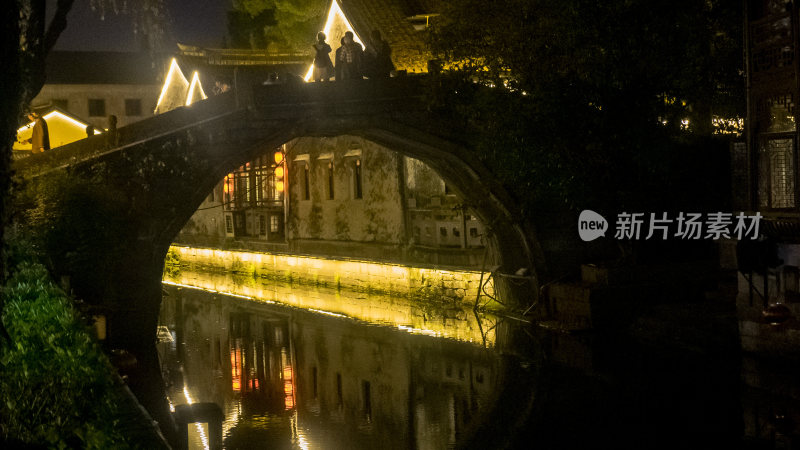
[195, 82]
[63, 116]
[335, 8]
[173, 67]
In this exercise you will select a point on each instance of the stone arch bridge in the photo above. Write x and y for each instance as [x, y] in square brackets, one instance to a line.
[159, 170]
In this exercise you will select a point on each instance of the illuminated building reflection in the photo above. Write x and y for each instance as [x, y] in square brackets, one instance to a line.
[300, 379]
[416, 316]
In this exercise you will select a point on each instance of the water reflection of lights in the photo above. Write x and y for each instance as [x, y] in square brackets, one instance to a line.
[288, 380]
[199, 426]
[400, 313]
[297, 433]
[232, 417]
[237, 363]
[413, 330]
[328, 313]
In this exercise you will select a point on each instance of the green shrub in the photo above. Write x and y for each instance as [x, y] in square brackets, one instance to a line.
[172, 263]
[56, 385]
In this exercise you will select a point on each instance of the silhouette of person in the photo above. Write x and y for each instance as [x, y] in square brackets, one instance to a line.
[350, 58]
[338, 68]
[322, 61]
[40, 139]
[112, 137]
[221, 86]
[271, 79]
[380, 56]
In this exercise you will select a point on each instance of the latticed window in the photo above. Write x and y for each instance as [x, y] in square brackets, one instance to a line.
[777, 111]
[776, 173]
[274, 223]
[241, 189]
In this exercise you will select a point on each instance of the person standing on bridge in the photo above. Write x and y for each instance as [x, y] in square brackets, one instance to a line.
[379, 55]
[350, 55]
[338, 69]
[40, 139]
[112, 136]
[322, 61]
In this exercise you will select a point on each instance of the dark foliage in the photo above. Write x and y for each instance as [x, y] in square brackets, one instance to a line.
[55, 382]
[594, 97]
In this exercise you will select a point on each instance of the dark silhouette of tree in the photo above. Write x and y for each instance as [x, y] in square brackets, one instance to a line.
[24, 46]
[246, 31]
[23, 49]
[664, 58]
[598, 93]
[290, 24]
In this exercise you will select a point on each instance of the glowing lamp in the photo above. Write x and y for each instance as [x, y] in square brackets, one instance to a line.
[279, 171]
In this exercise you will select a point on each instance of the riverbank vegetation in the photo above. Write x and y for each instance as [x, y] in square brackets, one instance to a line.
[56, 384]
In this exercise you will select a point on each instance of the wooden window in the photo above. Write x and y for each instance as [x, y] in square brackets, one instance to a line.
[97, 107]
[357, 190]
[330, 180]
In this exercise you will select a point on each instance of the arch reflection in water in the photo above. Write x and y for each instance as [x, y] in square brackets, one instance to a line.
[291, 378]
[420, 316]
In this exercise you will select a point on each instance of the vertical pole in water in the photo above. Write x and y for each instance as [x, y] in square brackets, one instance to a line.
[480, 283]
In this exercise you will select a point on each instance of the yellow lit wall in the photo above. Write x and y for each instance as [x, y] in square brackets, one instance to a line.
[62, 129]
[346, 274]
[403, 313]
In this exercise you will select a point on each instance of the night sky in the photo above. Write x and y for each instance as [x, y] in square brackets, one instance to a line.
[198, 22]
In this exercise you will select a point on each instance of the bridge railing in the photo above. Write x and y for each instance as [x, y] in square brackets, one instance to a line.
[277, 101]
[302, 96]
[133, 134]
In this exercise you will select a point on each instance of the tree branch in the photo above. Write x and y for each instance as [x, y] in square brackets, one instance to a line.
[57, 25]
[38, 43]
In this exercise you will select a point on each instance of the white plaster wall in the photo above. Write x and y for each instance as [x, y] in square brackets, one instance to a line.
[376, 217]
[78, 95]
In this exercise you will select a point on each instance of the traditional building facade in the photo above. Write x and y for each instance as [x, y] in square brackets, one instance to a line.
[343, 197]
[95, 85]
[765, 174]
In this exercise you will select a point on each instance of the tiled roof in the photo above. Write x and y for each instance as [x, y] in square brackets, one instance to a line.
[71, 67]
[390, 17]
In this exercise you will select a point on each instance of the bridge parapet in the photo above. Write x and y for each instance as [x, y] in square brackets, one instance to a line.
[289, 97]
[390, 96]
[152, 128]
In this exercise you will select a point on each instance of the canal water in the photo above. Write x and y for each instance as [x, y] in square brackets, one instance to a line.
[297, 367]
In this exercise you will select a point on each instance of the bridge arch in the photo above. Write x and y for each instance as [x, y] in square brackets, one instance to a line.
[167, 165]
